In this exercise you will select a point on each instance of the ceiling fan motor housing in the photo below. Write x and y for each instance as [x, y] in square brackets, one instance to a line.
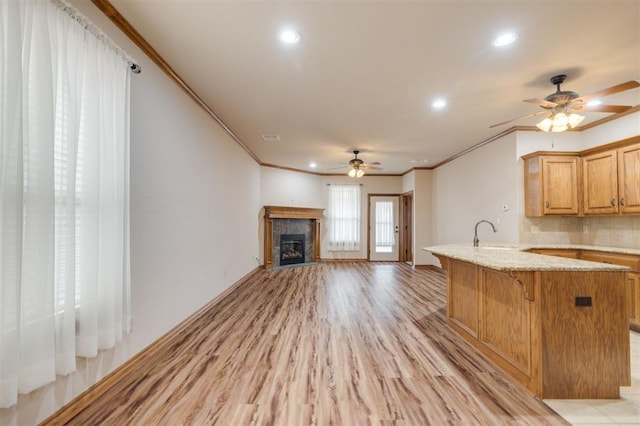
[560, 97]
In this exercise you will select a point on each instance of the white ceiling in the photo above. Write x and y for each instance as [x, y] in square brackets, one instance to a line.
[366, 72]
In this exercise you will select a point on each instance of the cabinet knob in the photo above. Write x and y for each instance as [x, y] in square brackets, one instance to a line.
[613, 201]
[546, 204]
[622, 201]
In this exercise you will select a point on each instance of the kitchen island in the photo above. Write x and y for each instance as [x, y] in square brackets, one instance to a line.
[558, 326]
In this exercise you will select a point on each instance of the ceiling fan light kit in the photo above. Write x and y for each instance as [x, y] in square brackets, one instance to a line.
[356, 173]
[358, 166]
[560, 121]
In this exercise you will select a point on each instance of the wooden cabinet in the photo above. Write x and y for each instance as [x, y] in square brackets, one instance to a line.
[629, 179]
[568, 253]
[622, 259]
[530, 324]
[633, 277]
[551, 184]
[611, 181]
[600, 181]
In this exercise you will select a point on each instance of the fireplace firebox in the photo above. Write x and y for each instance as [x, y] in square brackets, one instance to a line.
[291, 249]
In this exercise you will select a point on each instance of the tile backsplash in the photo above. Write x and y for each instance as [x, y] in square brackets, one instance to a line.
[612, 231]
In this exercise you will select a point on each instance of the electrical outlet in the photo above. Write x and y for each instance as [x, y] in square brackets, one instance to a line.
[582, 301]
[535, 229]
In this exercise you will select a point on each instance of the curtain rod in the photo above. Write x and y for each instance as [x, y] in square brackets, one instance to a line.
[96, 32]
[329, 184]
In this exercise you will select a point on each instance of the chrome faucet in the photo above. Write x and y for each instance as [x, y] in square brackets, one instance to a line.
[475, 235]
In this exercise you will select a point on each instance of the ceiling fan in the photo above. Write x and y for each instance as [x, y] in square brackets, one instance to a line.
[357, 166]
[563, 106]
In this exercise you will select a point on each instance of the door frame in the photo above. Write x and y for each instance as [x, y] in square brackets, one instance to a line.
[406, 227]
[405, 222]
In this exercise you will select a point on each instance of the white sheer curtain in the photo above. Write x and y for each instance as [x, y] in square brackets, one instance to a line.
[344, 217]
[385, 232]
[64, 126]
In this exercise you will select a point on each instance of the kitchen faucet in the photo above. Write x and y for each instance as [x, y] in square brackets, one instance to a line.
[475, 235]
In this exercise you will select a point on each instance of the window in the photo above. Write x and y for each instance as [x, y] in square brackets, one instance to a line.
[64, 221]
[385, 233]
[344, 217]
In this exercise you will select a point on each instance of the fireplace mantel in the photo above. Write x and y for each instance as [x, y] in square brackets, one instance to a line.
[280, 212]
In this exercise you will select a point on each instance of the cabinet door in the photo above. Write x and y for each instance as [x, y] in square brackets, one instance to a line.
[560, 185]
[568, 253]
[600, 183]
[629, 179]
[621, 259]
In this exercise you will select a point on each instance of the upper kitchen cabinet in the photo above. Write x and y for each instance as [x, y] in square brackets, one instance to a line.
[629, 179]
[551, 184]
[604, 180]
[611, 179]
[600, 183]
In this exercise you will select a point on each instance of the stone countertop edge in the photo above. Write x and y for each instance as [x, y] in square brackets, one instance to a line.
[512, 257]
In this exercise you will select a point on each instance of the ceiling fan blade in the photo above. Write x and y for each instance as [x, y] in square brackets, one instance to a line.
[545, 104]
[369, 167]
[601, 108]
[520, 118]
[609, 91]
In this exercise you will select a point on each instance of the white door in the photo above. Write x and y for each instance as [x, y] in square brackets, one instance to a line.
[383, 228]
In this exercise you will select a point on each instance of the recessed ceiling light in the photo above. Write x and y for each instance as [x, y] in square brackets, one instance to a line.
[290, 36]
[313, 165]
[505, 39]
[594, 102]
[439, 104]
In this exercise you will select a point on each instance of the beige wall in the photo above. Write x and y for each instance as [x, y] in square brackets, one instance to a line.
[476, 186]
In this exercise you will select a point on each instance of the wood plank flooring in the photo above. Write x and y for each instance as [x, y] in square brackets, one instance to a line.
[331, 343]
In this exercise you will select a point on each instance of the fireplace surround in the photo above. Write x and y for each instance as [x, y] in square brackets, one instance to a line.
[284, 214]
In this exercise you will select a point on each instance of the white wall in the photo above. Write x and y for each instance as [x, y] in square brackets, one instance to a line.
[288, 188]
[195, 199]
[474, 187]
[612, 131]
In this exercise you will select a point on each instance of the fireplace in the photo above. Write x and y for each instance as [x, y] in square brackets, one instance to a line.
[291, 249]
[280, 221]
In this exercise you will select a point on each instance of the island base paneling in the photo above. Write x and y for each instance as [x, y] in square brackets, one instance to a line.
[528, 323]
[585, 349]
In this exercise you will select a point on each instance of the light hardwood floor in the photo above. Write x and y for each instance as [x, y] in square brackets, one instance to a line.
[331, 343]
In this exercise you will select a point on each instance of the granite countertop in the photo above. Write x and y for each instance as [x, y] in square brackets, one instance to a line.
[511, 257]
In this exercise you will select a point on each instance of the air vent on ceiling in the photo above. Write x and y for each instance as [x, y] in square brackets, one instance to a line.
[271, 138]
